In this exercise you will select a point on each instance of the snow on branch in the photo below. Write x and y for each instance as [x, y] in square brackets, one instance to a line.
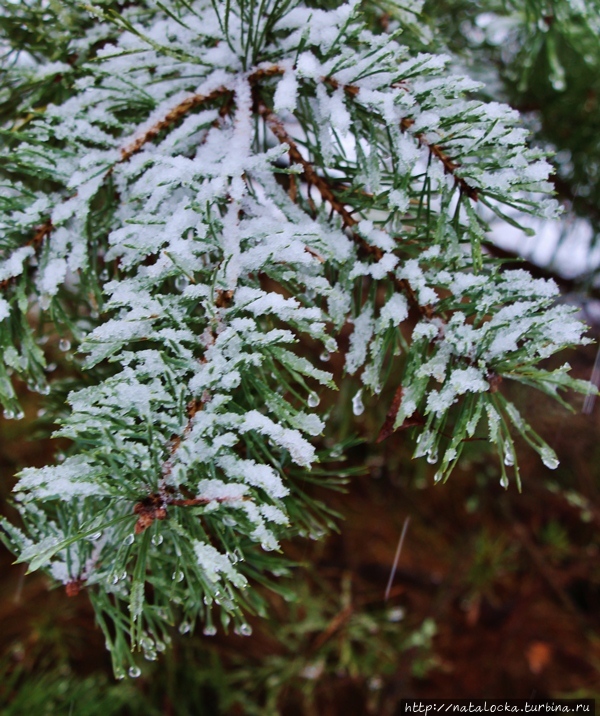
[215, 192]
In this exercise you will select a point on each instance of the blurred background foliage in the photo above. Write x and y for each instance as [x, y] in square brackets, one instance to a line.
[495, 594]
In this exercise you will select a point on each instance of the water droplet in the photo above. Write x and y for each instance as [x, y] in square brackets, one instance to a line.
[64, 344]
[432, 456]
[115, 579]
[20, 415]
[134, 671]
[375, 683]
[396, 614]
[61, 457]
[185, 628]
[504, 481]
[357, 404]
[9, 415]
[245, 629]
[51, 367]
[157, 539]
[313, 400]
[336, 452]
[509, 459]
[103, 275]
[42, 388]
[178, 576]
[438, 476]
[378, 388]
[331, 345]
[45, 302]
[160, 646]
[549, 458]
[119, 674]
[325, 356]
[123, 575]
[95, 536]
[207, 600]
[182, 282]
[210, 630]
[129, 539]
[229, 521]
[150, 655]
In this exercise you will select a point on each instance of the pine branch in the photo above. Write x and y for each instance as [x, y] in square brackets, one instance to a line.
[198, 399]
[327, 195]
[188, 104]
[36, 242]
[512, 259]
[450, 166]
[436, 150]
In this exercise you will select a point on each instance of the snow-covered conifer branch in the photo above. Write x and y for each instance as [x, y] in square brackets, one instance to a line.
[212, 187]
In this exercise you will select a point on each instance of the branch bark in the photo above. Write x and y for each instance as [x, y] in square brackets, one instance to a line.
[322, 185]
[436, 150]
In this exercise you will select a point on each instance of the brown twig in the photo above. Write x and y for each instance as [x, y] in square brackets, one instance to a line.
[319, 182]
[173, 116]
[334, 625]
[436, 150]
[327, 195]
[189, 103]
[35, 241]
[195, 501]
[170, 118]
[184, 107]
[388, 426]
[450, 166]
[73, 587]
[149, 509]
[192, 408]
[155, 507]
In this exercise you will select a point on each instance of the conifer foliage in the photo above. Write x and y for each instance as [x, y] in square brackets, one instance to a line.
[189, 189]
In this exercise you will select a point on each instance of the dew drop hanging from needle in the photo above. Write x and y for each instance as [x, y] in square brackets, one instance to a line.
[313, 400]
[358, 407]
